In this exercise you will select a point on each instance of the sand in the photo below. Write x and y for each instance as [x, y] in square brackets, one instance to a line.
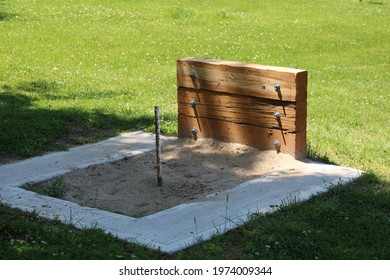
[191, 170]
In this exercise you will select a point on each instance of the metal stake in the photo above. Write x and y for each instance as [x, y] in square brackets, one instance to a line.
[158, 145]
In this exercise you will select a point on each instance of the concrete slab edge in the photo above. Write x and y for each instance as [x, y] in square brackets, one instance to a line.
[140, 230]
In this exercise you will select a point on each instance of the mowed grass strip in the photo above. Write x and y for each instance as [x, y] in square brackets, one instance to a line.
[74, 72]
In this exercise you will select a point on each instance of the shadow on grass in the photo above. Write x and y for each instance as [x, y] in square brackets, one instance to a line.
[347, 222]
[376, 3]
[28, 130]
[27, 236]
[312, 154]
[4, 16]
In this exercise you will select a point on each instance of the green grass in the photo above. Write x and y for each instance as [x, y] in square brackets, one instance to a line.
[73, 72]
[55, 188]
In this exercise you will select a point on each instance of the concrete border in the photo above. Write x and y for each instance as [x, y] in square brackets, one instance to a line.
[173, 229]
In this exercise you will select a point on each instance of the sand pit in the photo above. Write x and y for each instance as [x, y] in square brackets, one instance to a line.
[192, 171]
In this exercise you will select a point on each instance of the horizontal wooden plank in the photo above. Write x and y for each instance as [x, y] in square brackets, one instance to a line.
[241, 78]
[242, 109]
[258, 137]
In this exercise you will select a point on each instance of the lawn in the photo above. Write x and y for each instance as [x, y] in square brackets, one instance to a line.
[74, 72]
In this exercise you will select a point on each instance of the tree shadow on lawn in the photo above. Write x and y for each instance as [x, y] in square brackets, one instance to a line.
[376, 3]
[5, 15]
[347, 222]
[29, 131]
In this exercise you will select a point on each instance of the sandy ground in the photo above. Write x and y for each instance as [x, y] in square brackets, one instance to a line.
[192, 171]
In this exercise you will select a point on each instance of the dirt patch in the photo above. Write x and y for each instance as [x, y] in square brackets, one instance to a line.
[192, 170]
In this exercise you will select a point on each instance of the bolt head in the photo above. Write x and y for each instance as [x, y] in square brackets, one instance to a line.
[277, 87]
[192, 75]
